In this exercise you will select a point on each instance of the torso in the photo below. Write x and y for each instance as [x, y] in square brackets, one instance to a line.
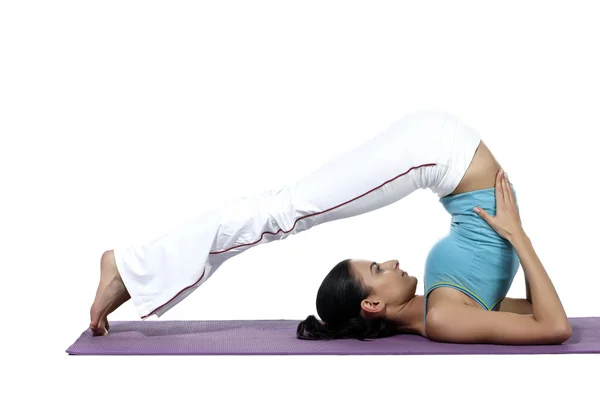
[481, 174]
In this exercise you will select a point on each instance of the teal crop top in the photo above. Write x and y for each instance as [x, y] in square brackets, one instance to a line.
[472, 258]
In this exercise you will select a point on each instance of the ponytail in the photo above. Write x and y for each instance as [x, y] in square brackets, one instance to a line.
[353, 328]
[313, 329]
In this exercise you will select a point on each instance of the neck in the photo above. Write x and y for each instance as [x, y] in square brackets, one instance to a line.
[410, 316]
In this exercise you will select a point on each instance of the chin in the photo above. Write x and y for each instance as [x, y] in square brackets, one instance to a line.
[416, 283]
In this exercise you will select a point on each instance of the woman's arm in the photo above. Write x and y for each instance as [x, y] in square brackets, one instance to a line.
[518, 306]
[546, 305]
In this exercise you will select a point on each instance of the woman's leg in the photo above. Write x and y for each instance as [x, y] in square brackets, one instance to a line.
[417, 151]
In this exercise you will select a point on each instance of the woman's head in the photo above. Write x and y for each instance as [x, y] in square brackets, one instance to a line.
[360, 299]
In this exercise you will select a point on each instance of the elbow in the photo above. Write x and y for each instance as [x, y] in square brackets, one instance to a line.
[567, 333]
[562, 334]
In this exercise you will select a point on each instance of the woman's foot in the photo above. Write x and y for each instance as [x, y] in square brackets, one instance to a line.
[110, 295]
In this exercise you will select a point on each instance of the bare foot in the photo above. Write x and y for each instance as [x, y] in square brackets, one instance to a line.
[110, 295]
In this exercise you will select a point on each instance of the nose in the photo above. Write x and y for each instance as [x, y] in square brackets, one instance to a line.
[397, 266]
[394, 264]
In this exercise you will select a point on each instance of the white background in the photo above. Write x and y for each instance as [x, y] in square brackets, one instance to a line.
[120, 119]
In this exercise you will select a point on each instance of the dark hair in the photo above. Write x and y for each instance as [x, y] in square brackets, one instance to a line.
[338, 305]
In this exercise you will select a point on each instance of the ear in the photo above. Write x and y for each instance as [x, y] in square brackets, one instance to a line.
[371, 306]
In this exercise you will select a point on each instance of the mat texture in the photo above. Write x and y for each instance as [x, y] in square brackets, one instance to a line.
[277, 337]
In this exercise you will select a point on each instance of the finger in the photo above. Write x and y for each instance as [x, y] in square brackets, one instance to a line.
[481, 212]
[499, 190]
[509, 193]
[504, 188]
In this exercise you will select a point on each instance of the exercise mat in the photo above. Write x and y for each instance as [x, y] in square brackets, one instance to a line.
[278, 337]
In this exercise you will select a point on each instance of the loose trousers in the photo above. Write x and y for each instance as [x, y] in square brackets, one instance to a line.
[425, 149]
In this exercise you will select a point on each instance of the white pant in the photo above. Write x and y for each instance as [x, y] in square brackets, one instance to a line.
[424, 149]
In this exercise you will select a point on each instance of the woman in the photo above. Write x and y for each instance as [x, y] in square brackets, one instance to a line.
[467, 274]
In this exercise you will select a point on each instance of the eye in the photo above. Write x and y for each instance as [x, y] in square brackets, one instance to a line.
[378, 269]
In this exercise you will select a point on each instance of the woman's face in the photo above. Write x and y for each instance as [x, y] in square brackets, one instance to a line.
[391, 286]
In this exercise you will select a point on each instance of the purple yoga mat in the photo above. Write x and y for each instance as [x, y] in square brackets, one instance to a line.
[271, 337]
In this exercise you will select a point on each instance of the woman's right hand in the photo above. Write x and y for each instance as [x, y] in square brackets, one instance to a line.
[507, 222]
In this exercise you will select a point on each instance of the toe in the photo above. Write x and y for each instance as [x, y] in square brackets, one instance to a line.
[97, 322]
[102, 332]
[99, 330]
